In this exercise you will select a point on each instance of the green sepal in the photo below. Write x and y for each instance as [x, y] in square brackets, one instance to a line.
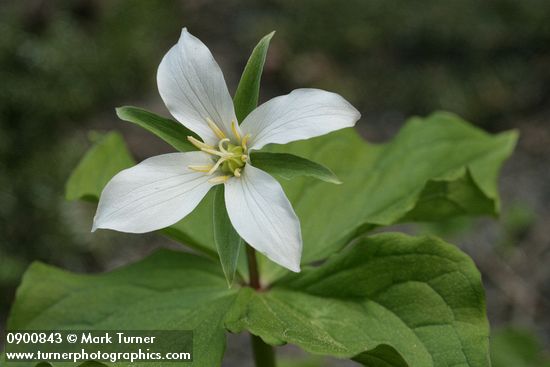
[248, 90]
[227, 240]
[289, 166]
[172, 132]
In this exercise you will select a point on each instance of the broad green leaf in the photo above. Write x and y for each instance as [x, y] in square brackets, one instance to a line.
[513, 347]
[248, 90]
[381, 356]
[167, 291]
[389, 300]
[167, 129]
[368, 302]
[289, 166]
[227, 240]
[435, 168]
[106, 158]
[447, 197]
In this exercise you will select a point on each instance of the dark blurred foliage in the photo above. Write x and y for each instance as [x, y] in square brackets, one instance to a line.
[486, 60]
[59, 62]
[64, 66]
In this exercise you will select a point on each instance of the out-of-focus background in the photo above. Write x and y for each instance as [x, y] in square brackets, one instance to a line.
[65, 65]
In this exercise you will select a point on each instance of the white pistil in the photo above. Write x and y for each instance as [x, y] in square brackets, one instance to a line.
[225, 153]
[218, 164]
[220, 146]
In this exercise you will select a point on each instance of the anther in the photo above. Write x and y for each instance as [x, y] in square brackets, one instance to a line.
[199, 144]
[205, 168]
[215, 128]
[237, 172]
[244, 141]
[235, 131]
[214, 152]
[219, 179]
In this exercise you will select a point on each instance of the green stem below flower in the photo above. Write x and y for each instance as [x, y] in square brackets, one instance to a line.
[253, 268]
[264, 354]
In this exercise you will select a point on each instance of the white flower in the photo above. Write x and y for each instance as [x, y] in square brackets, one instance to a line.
[161, 190]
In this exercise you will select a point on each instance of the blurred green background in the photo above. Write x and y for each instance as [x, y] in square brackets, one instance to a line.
[65, 65]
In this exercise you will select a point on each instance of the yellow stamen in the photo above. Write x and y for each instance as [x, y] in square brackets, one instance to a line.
[198, 168]
[199, 144]
[244, 141]
[214, 152]
[219, 179]
[235, 131]
[237, 172]
[244, 157]
[215, 128]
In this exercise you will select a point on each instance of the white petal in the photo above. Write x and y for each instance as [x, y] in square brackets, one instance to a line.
[155, 194]
[192, 86]
[262, 215]
[302, 114]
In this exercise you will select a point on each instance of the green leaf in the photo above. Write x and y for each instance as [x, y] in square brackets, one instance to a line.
[106, 158]
[381, 356]
[167, 291]
[289, 166]
[390, 300]
[168, 130]
[368, 302]
[435, 168]
[248, 90]
[450, 196]
[227, 240]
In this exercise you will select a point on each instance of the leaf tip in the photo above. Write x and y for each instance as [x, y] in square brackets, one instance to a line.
[120, 111]
[229, 282]
[335, 180]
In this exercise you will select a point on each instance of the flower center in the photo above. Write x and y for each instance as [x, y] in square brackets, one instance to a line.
[228, 158]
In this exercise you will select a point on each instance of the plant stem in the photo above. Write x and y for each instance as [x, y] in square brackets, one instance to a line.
[264, 354]
[253, 268]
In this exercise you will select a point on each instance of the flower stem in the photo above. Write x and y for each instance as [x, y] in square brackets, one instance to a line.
[253, 268]
[264, 354]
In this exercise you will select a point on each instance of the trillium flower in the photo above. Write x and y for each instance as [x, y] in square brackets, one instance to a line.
[162, 190]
